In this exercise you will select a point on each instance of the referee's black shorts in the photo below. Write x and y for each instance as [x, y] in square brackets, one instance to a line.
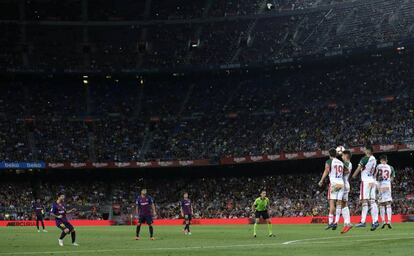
[263, 214]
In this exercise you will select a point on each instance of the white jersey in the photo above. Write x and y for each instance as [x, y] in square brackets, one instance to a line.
[385, 173]
[336, 171]
[368, 168]
[347, 165]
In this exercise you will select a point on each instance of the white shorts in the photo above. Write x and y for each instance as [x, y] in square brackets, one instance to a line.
[347, 189]
[368, 190]
[336, 191]
[385, 193]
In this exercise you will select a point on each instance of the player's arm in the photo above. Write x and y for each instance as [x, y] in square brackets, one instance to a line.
[347, 169]
[325, 173]
[71, 210]
[53, 213]
[181, 209]
[357, 171]
[392, 174]
[254, 206]
[153, 209]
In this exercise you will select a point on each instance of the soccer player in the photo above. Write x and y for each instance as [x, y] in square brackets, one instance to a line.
[367, 194]
[385, 174]
[186, 212]
[59, 212]
[145, 209]
[346, 157]
[335, 169]
[260, 208]
[39, 210]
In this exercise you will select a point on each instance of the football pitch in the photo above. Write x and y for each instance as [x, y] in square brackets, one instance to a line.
[295, 240]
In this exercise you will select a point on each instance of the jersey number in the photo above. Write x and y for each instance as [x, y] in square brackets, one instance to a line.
[339, 169]
[385, 174]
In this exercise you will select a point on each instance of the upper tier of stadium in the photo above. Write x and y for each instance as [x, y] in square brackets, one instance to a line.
[91, 36]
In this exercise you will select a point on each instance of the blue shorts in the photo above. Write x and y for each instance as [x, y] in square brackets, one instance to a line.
[145, 219]
[64, 225]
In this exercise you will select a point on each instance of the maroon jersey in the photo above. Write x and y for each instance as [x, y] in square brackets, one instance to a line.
[144, 205]
[38, 208]
[186, 206]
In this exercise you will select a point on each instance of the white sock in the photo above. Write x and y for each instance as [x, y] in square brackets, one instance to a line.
[347, 216]
[382, 213]
[374, 212]
[389, 213]
[364, 212]
[338, 213]
[330, 219]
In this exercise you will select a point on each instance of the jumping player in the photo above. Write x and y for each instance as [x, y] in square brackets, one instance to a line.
[59, 212]
[186, 212]
[260, 208]
[385, 174]
[335, 169]
[367, 194]
[39, 211]
[145, 210]
[346, 157]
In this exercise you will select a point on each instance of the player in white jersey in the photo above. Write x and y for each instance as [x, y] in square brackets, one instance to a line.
[367, 194]
[335, 169]
[346, 157]
[385, 174]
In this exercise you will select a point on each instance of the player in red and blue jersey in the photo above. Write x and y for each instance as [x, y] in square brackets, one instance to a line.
[39, 211]
[186, 212]
[145, 210]
[59, 212]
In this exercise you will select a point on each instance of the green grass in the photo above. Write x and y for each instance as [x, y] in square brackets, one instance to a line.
[211, 240]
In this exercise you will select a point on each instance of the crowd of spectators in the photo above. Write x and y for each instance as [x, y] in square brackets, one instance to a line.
[219, 115]
[212, 197]
[16, 198]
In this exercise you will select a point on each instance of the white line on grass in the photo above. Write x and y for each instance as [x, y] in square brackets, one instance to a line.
[303, 241]
[339, 237]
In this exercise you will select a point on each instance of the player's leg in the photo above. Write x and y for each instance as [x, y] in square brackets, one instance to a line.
[338, 211]
[72, 234]
[150, 227]
[189, 218]
[374, 207]
[389, 214]
[382, 214]
[347, 216]
[65, 231]
[141, 220]
[266, 217]
[43, 223]
[363, 196]
[37, 223]
[256, 222]
[331, 213]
